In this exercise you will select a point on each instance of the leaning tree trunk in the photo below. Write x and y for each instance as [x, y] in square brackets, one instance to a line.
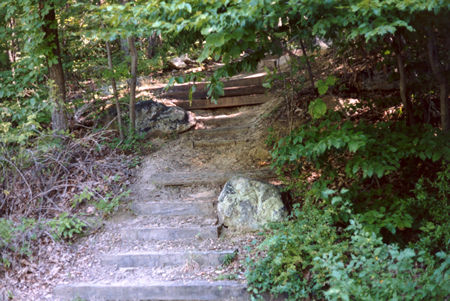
[401, 70]
[440, 77]
[57, 85]
[133, 54]
[114, 87]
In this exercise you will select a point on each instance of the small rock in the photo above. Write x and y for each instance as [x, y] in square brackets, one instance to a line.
[247, 205]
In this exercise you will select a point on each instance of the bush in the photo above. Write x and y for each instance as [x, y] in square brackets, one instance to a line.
[309, 258]
[377, 271]
[373, 161]
[16, 239]
[371, 219]
[291, 247]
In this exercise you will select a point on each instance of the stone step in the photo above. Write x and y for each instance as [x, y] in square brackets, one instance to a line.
[173, 208]
[164, 258]
[191, 233]
[204, 178]
[222, 131]
[161, 290]
[235, 118]
[218, 142]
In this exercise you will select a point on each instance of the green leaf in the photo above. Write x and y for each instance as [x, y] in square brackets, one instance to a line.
[215, 40]
[322, 87]
[317, 108]
[204, 55]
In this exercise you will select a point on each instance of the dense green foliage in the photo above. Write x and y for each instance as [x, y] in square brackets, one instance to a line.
[372, 160]
[311, 258]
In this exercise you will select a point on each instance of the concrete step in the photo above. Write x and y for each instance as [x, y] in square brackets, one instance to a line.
[218, 142]
[191, 233]
[205, 178]
[163, 290]
[221, 131]
[164, 258]
[219, 118]
[173, 208]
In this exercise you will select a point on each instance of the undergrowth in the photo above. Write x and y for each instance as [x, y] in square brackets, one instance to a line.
[311, 257]
[371, 212]
[56, 188]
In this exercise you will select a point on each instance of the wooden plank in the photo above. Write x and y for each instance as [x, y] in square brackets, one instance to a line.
[251, 80]
[223, 102]
[228, 92]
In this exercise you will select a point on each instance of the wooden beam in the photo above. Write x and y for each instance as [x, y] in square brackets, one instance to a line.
[223, 102]
[228, 92]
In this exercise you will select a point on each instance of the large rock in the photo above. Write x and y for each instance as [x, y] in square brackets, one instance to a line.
[247, 205]
[155, 118]
[180, 62]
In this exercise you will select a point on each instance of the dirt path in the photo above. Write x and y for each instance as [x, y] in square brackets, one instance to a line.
[168, 245]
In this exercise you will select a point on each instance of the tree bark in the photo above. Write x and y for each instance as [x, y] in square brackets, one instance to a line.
[124, 47]
[114, 87]
[12, 49]
[132, 84]
[153, 42]
[57, 84]
[308, 65]
[441, 78]
[401, 70]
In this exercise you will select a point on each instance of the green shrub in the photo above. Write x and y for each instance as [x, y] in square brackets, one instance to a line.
[16, 239]
[373, 161]
[310, 257]
[66, 227]
[377, 271]
[290, 249]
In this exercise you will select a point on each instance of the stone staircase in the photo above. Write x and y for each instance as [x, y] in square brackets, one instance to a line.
[171, 241]
[147, 230]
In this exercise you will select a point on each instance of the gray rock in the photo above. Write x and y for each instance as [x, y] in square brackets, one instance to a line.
[179, 62]
[247, 205]
[155, 118]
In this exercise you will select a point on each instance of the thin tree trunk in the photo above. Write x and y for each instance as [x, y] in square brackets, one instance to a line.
[114, 87]
[124, 47]
[133, 54]
[401, 70]
[57, 83]
[12, 51]
[441, 78]
[153, 42]
[308, 65]
[124, 43]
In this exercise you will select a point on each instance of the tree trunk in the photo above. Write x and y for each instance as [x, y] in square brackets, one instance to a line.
[308, 65]
[441, 78]
[153, 42]
[114, 87]
[124, 47]
[57, 83]
[401, 70]
[124, 43]
[133, 54]
[12, 49]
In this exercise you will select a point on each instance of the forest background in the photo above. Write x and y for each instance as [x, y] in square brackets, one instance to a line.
[373, 221]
